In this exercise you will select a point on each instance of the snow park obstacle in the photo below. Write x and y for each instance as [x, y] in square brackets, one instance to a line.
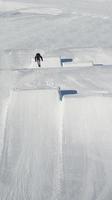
[48, 62]
[78, 64]
[66, 92]
[51, 62]
[31, 146]
[87, 145]
[70, 62]
[65, 60]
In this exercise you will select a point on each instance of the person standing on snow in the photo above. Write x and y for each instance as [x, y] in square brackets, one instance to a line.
[38, 58]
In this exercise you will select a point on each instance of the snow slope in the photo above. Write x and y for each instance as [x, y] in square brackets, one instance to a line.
[87, 148]
[24, 58]
[31, 153]
[53, 149]
[56, 149]
[55, 26]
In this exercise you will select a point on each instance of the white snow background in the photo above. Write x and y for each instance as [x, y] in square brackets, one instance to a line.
[53, 149]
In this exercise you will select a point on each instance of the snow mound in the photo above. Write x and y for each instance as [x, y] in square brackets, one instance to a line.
[14, 8]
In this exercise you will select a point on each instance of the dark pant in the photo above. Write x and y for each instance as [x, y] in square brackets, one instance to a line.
[38, 62]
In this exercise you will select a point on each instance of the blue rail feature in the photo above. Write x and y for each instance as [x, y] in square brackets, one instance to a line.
[65, 60]
[66, 92]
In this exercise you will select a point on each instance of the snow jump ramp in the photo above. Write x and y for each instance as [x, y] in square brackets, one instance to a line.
[48, 62]
[30, 157]
[57, 149]
[73, 64]
[87, 147]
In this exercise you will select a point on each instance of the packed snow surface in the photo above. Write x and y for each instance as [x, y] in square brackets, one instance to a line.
[52, 148]
[55, 25]
[56, 147]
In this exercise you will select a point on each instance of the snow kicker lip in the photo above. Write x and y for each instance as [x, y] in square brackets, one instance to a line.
[61, 92]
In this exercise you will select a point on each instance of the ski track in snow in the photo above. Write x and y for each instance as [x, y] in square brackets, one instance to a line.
[58, 177]
[4, 113]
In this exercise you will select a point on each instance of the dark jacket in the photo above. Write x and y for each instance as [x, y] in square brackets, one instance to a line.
[38, 57]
